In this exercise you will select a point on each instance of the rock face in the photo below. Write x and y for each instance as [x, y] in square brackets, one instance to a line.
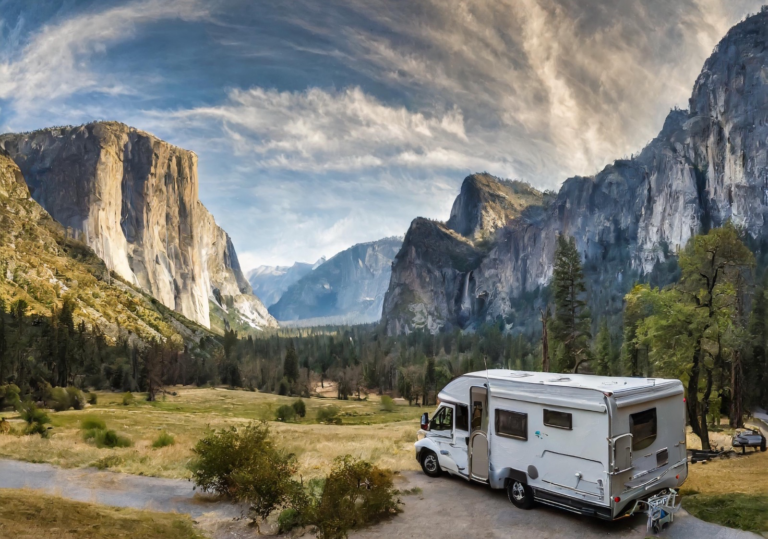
[134, 200]
[707, 165]
[348, 288]
[41, 263]
[271, 282]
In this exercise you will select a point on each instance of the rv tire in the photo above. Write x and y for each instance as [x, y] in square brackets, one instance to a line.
[519, 494]
[429, 464]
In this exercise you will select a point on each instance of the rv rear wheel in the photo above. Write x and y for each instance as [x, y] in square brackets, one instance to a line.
[430, 464]
[519, 494]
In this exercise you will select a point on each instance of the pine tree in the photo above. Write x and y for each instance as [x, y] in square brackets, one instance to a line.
[757, 361]
[291, 365]
[571, 324]
[603, 350]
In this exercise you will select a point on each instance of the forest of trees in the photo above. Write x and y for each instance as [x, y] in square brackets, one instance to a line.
[709, 328]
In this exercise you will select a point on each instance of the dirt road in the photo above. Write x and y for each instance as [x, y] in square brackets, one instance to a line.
[451, 508]
[446, 507]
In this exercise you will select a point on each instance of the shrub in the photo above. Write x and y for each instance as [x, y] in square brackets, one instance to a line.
[59, 399]
[9, 396]
[285, 413]
[329, 415]
[92, 399]
[387, 403]
[289, 519]
[163, 440]
[35, 419]
[300, 408]
[356, 493]
[245, 465]
[106, 438]
[108, 462]
[128, 398]
[76, 398]
[91, 423]
[5, 427]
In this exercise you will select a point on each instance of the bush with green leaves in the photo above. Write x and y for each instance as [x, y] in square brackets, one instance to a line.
[285, 413]
[300, 408]
[92, 423]
[246, 465]
[76, 398]
[93, 399]
[95, 431]
[329, 415]
[387, 403]
[35, 418]
[9, 397]
[163, 440]
[58, 399]
[128, 398]
[355, 494]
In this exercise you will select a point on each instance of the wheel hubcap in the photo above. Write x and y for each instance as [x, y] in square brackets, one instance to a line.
[518, 492]
[430, 463]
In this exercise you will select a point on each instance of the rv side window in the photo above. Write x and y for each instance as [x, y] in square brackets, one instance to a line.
[462, 417]
[561, 420]
[512, 424]
[642, 425]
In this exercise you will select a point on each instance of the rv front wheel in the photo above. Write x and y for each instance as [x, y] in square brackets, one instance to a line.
[519, 494]
[430, 465]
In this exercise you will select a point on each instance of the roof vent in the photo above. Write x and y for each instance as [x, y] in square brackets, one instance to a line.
[513, 374]
[561, 379]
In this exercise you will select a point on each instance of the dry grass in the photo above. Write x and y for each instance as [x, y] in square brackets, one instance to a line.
[385, 438]
[26, 514]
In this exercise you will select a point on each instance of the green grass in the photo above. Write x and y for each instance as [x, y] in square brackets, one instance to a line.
[367, 431]
[743, 511]
[26, 514]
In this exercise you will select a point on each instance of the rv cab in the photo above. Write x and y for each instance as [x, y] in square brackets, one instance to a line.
[587, 444]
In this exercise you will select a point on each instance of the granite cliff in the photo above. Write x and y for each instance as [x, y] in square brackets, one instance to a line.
[40, 263]
[707, 165]
[133, 199]
[271, 282]
[348, 288]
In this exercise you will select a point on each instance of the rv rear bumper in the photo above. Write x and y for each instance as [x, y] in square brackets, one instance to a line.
[572, 505]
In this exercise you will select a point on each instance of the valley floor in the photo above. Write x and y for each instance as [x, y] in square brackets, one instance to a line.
[367, 431]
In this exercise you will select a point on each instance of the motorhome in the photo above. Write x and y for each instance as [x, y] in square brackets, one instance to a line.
[592, 445]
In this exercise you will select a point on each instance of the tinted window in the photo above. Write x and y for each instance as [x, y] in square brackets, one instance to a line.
[477, 415]
[560, 420]
[462, 417]
[642, 425]
[512, 424]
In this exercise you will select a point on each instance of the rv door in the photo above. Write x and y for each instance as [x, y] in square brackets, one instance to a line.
[478, 437]
[441, 432]
[621, 453]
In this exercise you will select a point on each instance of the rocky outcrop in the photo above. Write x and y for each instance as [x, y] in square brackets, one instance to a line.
[348, 288]
[134, 200]
[707, 165]
[271, 282]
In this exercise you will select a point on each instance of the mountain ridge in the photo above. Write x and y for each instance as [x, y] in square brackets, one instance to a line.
[707, 165]
[133, 198]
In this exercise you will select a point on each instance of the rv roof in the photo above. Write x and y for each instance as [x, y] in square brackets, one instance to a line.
[614, 384]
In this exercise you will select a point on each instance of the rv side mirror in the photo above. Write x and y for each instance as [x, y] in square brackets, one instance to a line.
[425, 421]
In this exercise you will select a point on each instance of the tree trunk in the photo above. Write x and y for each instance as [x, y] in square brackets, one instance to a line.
[736, 419]
[693, 392]
[704, 411]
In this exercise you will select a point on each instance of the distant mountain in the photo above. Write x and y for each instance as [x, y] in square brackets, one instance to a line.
[348, 288]
[133, 199]
[492, 259]
[271, 282]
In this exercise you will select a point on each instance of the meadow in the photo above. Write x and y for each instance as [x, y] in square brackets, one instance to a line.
[367, 431]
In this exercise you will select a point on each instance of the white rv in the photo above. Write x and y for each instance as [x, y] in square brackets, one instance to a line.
[587, 444]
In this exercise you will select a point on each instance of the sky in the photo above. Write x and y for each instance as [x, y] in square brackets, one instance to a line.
[321, 124]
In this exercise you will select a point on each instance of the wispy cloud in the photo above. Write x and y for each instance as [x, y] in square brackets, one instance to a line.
[54, 63]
